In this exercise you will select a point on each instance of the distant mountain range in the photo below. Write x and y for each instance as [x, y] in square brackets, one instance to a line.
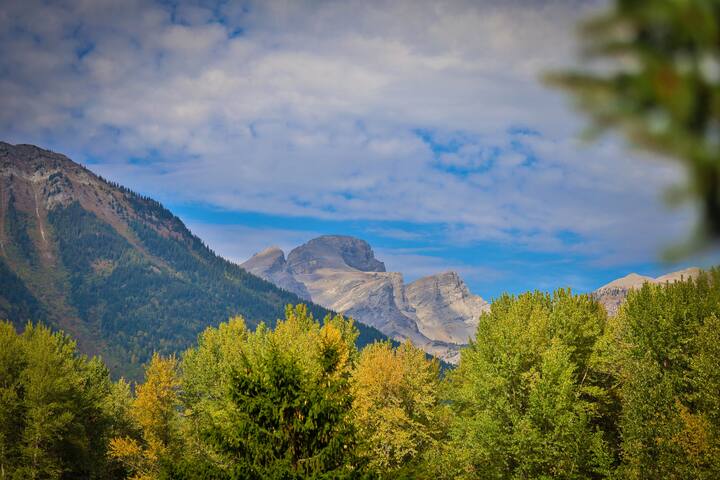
[437, 313]
[114, 269]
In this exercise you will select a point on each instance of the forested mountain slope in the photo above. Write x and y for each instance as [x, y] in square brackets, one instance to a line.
[116, 270]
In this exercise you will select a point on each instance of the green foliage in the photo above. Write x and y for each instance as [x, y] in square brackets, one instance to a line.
[660, 86]
[154, 412]
[396, 408]
[56, 408]
[17, 303]
[273, 403]
[551, 388]
[667, 359]
[17, 225]
[523, 395]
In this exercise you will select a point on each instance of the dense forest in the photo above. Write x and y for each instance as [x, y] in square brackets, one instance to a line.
[553, 388]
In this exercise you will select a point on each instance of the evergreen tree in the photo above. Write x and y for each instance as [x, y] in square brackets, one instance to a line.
[271, 403]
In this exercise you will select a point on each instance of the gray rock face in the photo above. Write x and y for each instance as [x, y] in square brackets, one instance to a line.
[270, 265]
[334, 251]
[436, 313]
[445, 308]
[613, 294]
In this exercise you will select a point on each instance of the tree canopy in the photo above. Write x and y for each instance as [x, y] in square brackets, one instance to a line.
[551, 388]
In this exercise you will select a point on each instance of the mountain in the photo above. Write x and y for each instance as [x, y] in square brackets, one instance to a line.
[437, 313]
[114, 269]
[270, 264]
[614, 293]
[445, 308]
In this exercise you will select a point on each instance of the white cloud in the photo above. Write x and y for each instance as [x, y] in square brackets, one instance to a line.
[313, 110]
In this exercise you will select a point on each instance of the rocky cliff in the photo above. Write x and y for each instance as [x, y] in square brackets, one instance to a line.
[438, 313]
[445, 308]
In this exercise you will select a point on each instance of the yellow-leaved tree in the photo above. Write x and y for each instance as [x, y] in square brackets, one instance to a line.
[155, 413]
[395, 406]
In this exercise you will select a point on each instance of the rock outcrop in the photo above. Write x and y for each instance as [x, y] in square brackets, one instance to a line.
[437, 313]
[445, 308]
[613, 294]
[270, 264]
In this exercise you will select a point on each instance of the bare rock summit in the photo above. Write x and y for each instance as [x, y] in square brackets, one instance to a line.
[334, 252]
[270, 265]
[437, 313]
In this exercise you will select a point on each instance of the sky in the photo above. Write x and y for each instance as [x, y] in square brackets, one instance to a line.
[419, 126]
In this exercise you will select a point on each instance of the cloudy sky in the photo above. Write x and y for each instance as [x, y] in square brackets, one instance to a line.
[420, 126]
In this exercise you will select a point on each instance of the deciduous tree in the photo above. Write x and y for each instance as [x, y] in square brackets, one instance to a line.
[395, 406]
[155, 412]
[523, 395]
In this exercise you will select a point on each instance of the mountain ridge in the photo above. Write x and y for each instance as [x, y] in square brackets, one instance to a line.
[437, 313]
[116, 270]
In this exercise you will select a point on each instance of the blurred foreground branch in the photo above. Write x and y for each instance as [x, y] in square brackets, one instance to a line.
[657, 81]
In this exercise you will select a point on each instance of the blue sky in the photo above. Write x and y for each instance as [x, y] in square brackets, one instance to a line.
[417, 125]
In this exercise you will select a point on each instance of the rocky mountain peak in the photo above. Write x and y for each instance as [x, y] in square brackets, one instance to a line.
[437, 313]
[445, 308]
[334, 252]
[632, 280]
[272, 259]
[36, 162]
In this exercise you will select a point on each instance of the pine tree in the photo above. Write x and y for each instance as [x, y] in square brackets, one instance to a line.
[271, 403]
